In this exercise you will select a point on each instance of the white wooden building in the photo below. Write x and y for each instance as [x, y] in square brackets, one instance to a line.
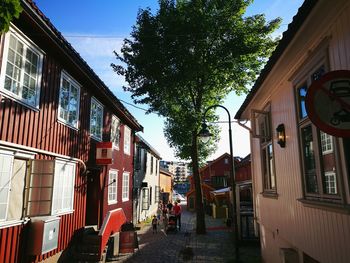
[301, 190]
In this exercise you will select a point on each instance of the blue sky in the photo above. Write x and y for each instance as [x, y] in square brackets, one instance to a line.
[96, 28]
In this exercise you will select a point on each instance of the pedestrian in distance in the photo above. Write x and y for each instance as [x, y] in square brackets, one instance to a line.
[165, 219]
[177, 212]
[154, 224]
[169, 206]
[159, 212]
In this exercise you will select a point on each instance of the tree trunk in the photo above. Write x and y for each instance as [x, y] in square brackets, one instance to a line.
[200, 222]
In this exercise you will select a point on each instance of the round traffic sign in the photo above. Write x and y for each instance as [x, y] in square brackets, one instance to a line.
[328, 103]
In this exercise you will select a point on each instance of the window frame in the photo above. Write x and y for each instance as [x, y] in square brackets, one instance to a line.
[127, 140]
[99, 105]
[318, 63]
[152, 163]
[266, 143]
[145, 198]
[27, 45]
[126, 186]
[115, 132]
[74, 83]
[63, 210]
[112, 185]
[10, 171]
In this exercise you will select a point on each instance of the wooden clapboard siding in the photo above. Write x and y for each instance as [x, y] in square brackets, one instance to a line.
[286, 222]
[10, 239]
[41, 130]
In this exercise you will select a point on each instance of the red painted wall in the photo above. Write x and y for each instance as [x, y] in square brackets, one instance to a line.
[123, 163]
[41, 130]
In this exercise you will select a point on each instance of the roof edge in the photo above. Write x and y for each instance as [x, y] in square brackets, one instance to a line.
[288, 36]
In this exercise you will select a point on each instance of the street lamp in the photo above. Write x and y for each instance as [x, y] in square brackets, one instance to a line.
[205, 135]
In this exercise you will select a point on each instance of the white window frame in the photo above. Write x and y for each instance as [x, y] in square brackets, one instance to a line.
[27, 45]
[127, 140]
[125, 186]
[75, 84]
[9, 155]
[145, 199]
[326, 144]
[113, 186]
[115, 132]
[67, 183]
[99, 106]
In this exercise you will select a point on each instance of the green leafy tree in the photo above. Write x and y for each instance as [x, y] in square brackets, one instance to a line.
[188, 56]
[9, 9]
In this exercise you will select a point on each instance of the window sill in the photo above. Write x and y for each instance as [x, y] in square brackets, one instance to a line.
[112, 202]
[328, 206]
[59, 120]
[273, 195]
[12, 223]
[7, 94]
[63, 213]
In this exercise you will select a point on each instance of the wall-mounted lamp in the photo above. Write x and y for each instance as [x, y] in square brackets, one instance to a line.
[281, 135]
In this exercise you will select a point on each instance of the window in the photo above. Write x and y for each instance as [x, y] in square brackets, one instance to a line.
[145, 198]
[63, 191]
[157, 194]
[49, 187]
[6, 161]
[127, 140]
[138, 158]
[262, 120]
[96, 119]
[156, 164]
[39, 187]
[219, 181]
[320, 173]
[125, 193]
[22, 64]
[150, 195]
[152, 161]
[68, 109]
[112, 186]
[115, 132]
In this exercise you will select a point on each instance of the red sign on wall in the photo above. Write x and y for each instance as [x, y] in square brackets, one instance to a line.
[104, 153]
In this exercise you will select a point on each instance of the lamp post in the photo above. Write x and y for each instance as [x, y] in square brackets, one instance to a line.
[205, 136]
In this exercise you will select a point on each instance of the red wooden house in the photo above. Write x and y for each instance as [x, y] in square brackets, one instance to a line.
[53, 111]
[215, 175]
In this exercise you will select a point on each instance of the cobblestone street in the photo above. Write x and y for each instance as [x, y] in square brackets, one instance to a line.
[185, 246]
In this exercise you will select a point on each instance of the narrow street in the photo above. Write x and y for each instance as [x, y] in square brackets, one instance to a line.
[185, 246]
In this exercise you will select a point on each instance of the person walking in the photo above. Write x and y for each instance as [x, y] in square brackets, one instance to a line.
[169, 206]
[165, 219]
[154, 224]
[177, 212]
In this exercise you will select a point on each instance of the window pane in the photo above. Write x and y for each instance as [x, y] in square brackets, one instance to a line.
[115, 131]
[329, 178]
[96, 118]
[22, 70]
[309, 159]
[63, 187]
[318, 73]
[330, 183]
[69, 101]
[301, 98]
[271, 167]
